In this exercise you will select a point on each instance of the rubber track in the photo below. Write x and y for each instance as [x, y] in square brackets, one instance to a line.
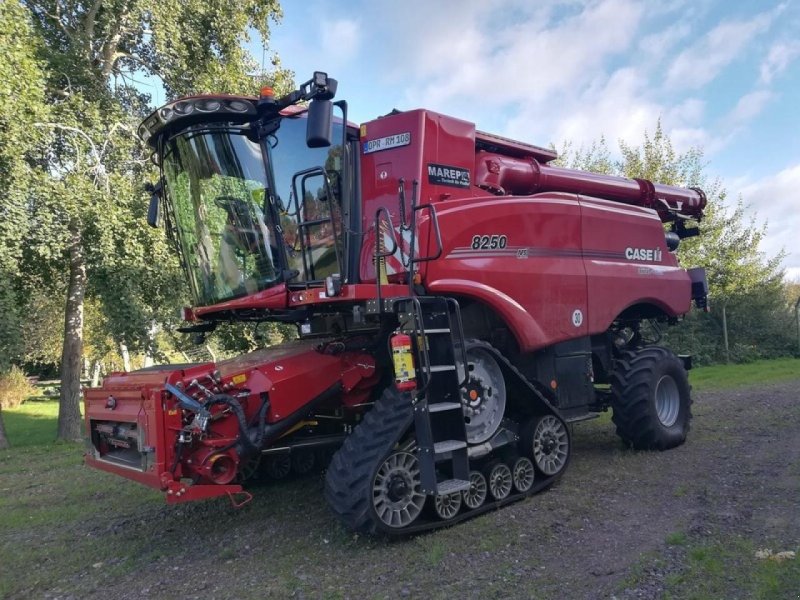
[630, 383]
[348, 481]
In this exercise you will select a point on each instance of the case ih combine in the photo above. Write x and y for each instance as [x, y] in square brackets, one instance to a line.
[458, 301]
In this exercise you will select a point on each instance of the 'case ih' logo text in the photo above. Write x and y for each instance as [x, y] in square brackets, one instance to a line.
[646, 254]
[447, 175]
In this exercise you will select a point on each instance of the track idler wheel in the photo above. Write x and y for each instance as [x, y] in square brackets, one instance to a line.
[545, 439]
[397, 498]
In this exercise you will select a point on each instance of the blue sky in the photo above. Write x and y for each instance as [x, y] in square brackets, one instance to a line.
[721, 75]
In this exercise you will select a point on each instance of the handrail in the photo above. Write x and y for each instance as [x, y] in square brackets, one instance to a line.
[454, 303]
[379, 254]
[304, 224]
[437, 232]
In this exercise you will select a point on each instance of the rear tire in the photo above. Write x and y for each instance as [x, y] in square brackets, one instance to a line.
[651, 399]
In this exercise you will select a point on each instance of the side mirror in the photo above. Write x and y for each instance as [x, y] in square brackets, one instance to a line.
[319, 129]
[155, 199]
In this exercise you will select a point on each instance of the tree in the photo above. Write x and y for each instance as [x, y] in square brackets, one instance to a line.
[22, 102]
[90, 176]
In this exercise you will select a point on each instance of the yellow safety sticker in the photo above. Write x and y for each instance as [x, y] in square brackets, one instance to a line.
[363, 131]
[237, 379]
[403, 365]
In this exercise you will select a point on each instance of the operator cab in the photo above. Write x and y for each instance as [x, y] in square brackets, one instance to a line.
[251, 189]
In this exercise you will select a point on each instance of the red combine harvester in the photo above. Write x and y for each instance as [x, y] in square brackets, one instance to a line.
[459, 302]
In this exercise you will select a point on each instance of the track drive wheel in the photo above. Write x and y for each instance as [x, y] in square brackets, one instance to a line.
[372, 483]
[651, 399]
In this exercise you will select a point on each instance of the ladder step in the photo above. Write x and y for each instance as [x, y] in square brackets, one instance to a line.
[451, 486]
[442, 368]
[448, 446]
[441, 330]
[440, 406]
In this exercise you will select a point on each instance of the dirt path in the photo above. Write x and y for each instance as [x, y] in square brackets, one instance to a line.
[603, 531]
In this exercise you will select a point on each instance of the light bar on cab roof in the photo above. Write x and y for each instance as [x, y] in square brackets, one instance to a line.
[200, 107]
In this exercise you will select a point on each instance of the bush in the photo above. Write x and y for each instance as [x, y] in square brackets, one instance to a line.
[14, 388]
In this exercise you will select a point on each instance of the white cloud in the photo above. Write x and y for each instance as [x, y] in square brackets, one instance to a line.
[748, 107]
[340, 41]
[656, 45]
[780, 56]
[777, 198]
[528, 60]
[701, 63]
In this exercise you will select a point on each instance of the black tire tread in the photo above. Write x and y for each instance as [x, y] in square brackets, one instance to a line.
[631, 386]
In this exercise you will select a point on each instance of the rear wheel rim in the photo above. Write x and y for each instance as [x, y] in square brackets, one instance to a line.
[668, 401]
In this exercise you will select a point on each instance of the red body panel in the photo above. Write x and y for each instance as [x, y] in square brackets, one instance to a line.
[567, 267]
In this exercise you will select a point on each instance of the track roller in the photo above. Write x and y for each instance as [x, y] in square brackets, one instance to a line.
[447, 506]
[499, 479]
[475, 496]
[522, 474]
[278, 466]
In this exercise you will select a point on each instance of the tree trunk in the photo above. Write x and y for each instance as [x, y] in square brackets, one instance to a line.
[69, 412]
[3, 439]
[149, 352]
[126, 357]
[95, 374]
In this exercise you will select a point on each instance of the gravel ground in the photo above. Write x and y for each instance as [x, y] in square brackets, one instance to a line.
[604, 531]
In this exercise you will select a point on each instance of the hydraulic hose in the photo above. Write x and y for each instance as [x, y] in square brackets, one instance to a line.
[236, 407]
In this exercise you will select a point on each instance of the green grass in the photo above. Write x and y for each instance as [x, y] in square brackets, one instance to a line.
[728, 568]
[32, 424]
[730, 376]
[65, 518]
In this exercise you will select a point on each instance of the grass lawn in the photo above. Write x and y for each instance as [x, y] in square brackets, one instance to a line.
[66, 519]
[729, 376]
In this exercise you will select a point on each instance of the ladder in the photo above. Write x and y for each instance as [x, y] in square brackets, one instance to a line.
[434, 324]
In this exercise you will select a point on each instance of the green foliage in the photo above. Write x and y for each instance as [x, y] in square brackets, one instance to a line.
[22, 102]
[741, 277]
[14, 388]
[70, 160]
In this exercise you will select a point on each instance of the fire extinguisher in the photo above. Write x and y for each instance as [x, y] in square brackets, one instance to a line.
[405, 376]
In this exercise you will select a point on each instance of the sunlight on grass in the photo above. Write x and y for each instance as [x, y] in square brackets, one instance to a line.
[729, 376]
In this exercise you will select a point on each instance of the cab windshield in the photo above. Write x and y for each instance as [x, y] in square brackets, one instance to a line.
[216, 185]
